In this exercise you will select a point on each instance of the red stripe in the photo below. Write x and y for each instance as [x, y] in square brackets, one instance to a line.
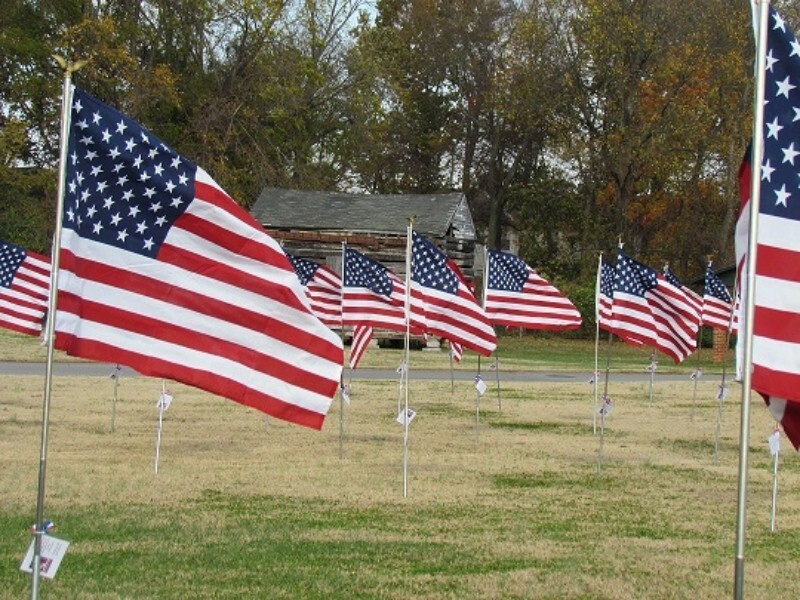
[778, 384]
[779, 263]
[165, 331]
[777, 325]
[212, 382]
[152, 288]
[33, 330]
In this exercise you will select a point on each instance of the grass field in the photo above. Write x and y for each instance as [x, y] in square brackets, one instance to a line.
[509, 505]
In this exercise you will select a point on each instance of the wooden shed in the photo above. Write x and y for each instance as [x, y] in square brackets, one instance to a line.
[314, 225]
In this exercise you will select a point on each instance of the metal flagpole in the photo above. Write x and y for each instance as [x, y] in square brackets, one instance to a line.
[161, 402]
[483, 306]
[747, 375]
[341, 382]
[66, 104]
[603, 407]
[404, 374]
[116, 375]
[723, 390]
[696, 374]
[652, 368]
[596, 341]
[775, 450]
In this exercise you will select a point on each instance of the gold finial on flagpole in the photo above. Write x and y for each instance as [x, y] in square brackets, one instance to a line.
[68, 66]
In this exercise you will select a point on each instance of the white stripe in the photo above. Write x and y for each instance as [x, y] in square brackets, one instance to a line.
[776, 355]
[34, 327]
[12, 306]
[778, 294]
[777, 232]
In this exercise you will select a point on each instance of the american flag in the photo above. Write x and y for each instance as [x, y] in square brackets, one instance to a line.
[372, 295]
[604, 296]
[517, 296]
[442, 299]
[676, 314]
[162, 271]
[323, 289]
[24, 289]
[717, 302]
[776, 323]
[631, 316]
[362, 336]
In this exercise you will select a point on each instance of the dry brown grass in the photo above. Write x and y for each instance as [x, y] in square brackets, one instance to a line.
[524, 491]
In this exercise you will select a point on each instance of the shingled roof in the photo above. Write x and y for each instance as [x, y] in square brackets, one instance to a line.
[434, 214]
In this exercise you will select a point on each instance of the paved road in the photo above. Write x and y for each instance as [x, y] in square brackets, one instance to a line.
[91, 369]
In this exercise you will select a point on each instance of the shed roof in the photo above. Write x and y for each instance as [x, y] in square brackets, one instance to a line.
[434, 214]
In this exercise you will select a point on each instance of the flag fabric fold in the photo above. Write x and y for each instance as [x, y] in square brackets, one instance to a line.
[776, 322]
[162, 271]
[517, 296]
[323, 288]
[24, 289]
[443, 300]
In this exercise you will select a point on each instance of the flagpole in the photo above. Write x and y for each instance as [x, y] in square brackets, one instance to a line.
[774, 510]
[722, 388]
[404, 375]
[697, 370]
[747, 376]
[485, 287]
[161, 401]
[116, 376]
[341, 381]
[603, 407]
[596, 340]
[66, 104]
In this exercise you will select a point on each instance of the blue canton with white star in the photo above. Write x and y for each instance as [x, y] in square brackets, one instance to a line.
[304, 268]
[11, 258]
[632, 277]
[715, 288]
[429, 266]
[360, 271]
[606, 279]
[125, 187]
[507, 272]
[780, 169]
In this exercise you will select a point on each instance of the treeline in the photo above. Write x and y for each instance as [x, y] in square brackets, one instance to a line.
[576, 123]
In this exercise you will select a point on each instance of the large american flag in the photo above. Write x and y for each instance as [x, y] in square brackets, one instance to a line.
[776, 324]
[631, 316]
[443, 300]
[24, 289]
[162, 271]
[323, 289]
[717, 302]
[371, 294]
[604, 294]
[517, 296]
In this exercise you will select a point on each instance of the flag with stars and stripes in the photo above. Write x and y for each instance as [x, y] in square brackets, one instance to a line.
[631, 317]
[442, 299]
[517, 296]
[162, 271]
[24, 289]
[323, 289]
[717, 302]
[372, 295]
[776, 311]
[604, 294]
[676, 316]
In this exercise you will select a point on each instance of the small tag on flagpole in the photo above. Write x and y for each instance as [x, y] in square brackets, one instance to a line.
[409, 416]
[775, 442]
[480, 385]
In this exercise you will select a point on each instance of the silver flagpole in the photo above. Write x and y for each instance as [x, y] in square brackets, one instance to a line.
[747, 375]
[66, 104]
[404, 375]
[483, 306]
[596, 341]
[775, 456]
[341, 381]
